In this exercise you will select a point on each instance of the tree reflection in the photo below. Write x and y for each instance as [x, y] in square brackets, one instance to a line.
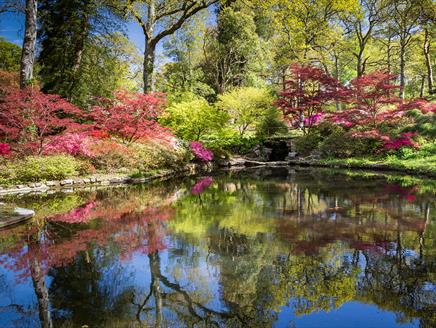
[234, 255]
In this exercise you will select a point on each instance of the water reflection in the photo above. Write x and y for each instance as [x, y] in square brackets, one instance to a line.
[245, 249]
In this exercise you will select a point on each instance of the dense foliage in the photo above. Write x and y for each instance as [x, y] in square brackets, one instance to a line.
[342, 78]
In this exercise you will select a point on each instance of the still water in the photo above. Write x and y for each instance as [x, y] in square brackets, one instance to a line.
[256, 248]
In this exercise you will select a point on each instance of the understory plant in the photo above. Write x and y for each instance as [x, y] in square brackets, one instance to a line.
[200, 152]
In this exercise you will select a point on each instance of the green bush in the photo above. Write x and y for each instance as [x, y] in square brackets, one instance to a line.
[41, 168]
[305, 144]
[154, 155]
[342, 144]
[246, 107]
[192, 119]
[228, 141]
[427, 149]
[271, 124]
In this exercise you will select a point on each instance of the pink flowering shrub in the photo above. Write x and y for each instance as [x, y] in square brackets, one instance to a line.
[313, 120]
[201, 185]
[200, 152]
[389, 143]
[5, 149]
[75, 144]
[404, 140]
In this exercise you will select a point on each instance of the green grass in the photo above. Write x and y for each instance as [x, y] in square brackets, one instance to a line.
[425, 165]
[420, 161]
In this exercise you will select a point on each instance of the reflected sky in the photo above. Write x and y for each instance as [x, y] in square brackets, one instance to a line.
[255, 248]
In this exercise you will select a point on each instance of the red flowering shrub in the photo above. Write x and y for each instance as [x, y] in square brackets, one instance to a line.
[75, 144]
[99, 134]
[200, 152]
[110, 155]
[130, 116]
[5, 149]
[29, 117]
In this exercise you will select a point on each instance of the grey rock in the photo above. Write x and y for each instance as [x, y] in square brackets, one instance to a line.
[21, 186]
[66, 182]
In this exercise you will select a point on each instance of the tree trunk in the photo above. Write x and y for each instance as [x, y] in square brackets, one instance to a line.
[337, 102]
[148, 70]
[154, 260]
[80, 45]
[402, 71]
[421, 89]
[427, 44]
[29, 42]
[149, 48]
[41, 293]
[389, 56]
[359, 66]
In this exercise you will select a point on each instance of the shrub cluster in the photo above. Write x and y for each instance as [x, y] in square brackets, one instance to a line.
[45, 137]
[369, 119]
[38, 168]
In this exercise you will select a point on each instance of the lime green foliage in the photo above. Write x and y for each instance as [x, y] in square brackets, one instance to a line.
[40, 168]
[246, 107]
[9, 55]
[192, 119]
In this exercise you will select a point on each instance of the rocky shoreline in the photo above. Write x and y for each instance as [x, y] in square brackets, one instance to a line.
[71, 184]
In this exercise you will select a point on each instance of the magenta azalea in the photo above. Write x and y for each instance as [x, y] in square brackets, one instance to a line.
[405, 140]
[201, 152]
[5, 149]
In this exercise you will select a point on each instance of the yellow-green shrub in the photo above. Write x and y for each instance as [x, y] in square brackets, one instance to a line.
[41, 168]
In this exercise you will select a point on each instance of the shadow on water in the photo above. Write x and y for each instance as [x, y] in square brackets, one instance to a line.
[254, 248]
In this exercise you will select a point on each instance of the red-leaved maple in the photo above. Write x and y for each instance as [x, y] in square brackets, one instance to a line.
[306, 94]
[130, 116]
[29, 117]
[369, 100]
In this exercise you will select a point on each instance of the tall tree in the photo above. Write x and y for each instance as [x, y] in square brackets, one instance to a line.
[231, 50]
[362, 24]
[405, 17]
[29, 43]
[79, 48]
[428, 19]
[158, 19]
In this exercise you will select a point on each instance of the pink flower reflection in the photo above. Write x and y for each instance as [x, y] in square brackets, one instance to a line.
[201, 185]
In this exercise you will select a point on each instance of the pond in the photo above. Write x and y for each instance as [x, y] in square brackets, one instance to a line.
[255, 248]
